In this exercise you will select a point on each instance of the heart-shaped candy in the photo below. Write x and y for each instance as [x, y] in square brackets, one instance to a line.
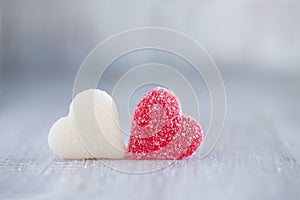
[160, 131]
[91, 129]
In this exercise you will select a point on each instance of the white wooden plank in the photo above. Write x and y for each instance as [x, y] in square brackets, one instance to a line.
[251, 161]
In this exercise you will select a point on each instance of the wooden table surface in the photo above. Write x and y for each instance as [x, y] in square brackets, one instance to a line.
[257, 156]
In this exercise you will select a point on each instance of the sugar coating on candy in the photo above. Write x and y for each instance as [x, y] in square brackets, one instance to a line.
[159, 131]
[160, 97]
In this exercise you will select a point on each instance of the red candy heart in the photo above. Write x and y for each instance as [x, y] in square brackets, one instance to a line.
[160, 131]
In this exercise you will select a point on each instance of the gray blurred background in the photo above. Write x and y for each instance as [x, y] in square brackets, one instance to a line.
[49, 39]
[255, 44]
[43, 43]
[61, 33]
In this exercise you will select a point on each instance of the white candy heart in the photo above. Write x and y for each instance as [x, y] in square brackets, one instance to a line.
[91, 129]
